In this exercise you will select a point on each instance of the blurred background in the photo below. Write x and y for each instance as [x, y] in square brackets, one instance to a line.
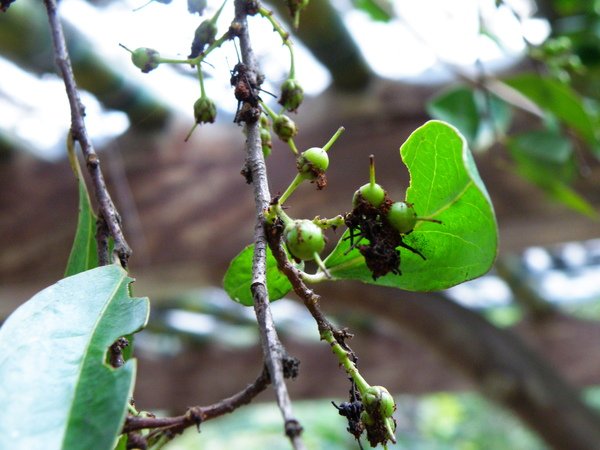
[508, 361]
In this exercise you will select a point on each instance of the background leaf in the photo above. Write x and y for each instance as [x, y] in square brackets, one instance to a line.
[477, 115]
[378, 10]
[238, 278]
[56, 391]
[84, 252]
[561, 101]
[545, 158]
[458, 107]
[445, 185]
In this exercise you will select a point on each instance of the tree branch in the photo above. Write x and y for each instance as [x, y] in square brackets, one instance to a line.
[198, 414]
[255, 168]
[308, 296]
[106, 207]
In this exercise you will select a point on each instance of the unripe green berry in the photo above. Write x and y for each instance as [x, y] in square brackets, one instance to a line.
[402, 217]
[205, 110]
[292, 94]
[304, 239]
[372, 193]
[146, 59]
[265, 140]
[295, 6]
[284, 127]
[203, 37]
[312, 162]
[379, 397]
[264, 121]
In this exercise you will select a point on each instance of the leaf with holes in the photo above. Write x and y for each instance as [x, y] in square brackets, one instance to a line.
[446, 186]
[57, 390]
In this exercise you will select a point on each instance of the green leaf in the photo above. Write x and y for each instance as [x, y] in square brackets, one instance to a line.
[445, 185]
[545, 158]
[560, 100]
[56, 391]
[478, 116]
[458, 107]
[544, 146]
[238, 278]
[378, 10]
[84, 252]
[122, 444]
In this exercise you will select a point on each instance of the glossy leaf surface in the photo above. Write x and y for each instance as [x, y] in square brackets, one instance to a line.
[57, 392]
[446, 186]
[238, 278]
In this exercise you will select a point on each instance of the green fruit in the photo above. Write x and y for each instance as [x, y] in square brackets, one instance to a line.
[402, 217]
[205, 110]
[292, 94]
[284, 127]
[373, 193]
[379, 397]
[203, 36]
[146, 59]
[264, 121]
[304, 239]
[312, 162]
[265, 141]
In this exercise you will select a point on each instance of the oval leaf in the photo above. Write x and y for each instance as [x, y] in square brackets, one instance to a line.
[238, 278]
[446, 186]
[57, 392]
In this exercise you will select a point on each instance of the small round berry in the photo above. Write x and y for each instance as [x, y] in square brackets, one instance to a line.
[304, 239]
[146, 59]
[379, 397]
[203, 36]
[284, 127]
[265, 140]
[292, 94]
[264, 121]
[312, 162]
[402, 217]
[372, 193]
[205, 110]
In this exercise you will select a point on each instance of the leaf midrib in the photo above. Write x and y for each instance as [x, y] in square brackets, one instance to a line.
[100, 316]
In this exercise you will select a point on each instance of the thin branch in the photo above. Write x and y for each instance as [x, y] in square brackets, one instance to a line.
[273, 350]
[308, 296]
[198, 414]
[106, 207]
